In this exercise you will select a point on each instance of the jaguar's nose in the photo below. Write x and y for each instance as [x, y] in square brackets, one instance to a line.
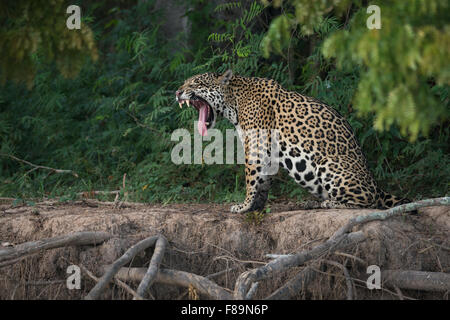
[178, 93]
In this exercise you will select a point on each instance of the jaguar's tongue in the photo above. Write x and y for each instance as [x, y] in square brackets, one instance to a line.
[202, 116]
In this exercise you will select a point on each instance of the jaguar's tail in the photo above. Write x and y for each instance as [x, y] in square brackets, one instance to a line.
[385, 200]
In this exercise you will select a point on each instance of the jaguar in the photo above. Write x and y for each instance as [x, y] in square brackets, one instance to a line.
[313, 141]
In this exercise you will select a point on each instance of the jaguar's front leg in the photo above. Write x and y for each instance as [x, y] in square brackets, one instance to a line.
[257, 167]
[258, 186]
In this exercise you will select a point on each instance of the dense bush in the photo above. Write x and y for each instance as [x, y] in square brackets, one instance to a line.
[117, 116]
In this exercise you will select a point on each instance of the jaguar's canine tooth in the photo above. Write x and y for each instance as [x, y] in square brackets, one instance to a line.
[180, 104]
[188, 103]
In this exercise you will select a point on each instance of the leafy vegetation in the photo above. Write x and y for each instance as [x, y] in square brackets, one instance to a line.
[29, 28]
[403, 64]
[118, 114]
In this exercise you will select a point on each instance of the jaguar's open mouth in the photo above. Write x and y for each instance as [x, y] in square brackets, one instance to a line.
[206, 116]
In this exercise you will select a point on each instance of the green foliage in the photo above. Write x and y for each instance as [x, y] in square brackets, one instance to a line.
[401, 65]
[227, 6]
[238, 36]
[304, 13]
[278, 35]
[31, 30]
[414, 50]
[255, 217]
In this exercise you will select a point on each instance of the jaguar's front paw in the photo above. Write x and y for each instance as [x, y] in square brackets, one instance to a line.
[239, 208]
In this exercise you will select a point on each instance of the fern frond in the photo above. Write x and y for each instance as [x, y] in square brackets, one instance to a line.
[243, 52]
[254, 11]
[227, 6]
[220, 37]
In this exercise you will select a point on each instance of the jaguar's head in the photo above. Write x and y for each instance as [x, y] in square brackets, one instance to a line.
[206, 93]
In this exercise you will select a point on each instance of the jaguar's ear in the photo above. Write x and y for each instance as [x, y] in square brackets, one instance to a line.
[226, 77]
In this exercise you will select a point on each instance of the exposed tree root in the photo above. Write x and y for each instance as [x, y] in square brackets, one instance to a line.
[294, 285]
[123, 260]
[348, 279]
[117, 281]
[152, 271]
[417, 280]
[178, 278]
[341, 238]
[284, 263]
[11, 255]
[247, 283]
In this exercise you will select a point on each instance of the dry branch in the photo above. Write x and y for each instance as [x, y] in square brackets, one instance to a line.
[143, 125]
[362, 283]
[276, 256]
[88, 194]
[347, 255]
[399, 293]
[251, 293]
[117, 202]
[348, 279]
[294, 285]
[386, 214]
[118, 281]
[12, 261]
[178, 278]
[14, 254]
[37, 167]
[417, 280]
[109, 203]
[216, 274]
[34, 283]
[152, 271]
[119, 263]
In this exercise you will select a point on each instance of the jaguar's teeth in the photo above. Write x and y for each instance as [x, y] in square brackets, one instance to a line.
[188, 103]
[180, 104]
